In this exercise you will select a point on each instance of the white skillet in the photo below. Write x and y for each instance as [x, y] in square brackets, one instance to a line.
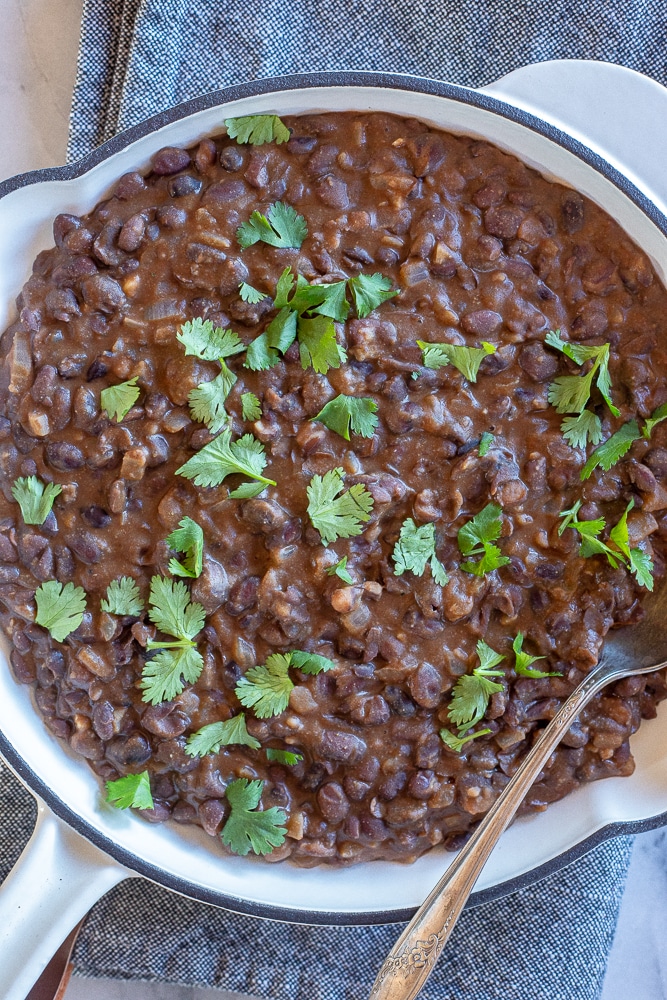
[609, 142]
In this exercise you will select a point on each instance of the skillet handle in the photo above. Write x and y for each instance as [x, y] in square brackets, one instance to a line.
[54, 883]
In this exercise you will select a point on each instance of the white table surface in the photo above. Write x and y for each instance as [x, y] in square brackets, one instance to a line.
[38, 49]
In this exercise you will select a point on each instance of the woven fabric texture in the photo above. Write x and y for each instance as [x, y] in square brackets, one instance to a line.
[140, 56]
[549, 941]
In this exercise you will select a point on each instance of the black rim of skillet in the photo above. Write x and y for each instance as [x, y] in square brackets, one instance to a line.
[388, 81]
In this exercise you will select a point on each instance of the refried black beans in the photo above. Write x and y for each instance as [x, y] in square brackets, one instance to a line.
[480, 249]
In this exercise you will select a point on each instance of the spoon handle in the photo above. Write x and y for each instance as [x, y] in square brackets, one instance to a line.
[411, 960]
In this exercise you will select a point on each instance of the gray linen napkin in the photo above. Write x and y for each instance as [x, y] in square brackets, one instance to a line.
[549, 941]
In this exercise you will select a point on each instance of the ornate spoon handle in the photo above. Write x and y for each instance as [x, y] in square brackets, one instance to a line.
[411, 961]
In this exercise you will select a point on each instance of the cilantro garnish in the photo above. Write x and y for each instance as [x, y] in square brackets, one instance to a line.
[118, 400]
[466, 359]
[202, 340]
[477, 537]
[123, 598]
[337, 516]
[415, 549]
[470, 697]
[345, 413]
[485, 443]
[340, 571]
[613, 449]
[656, 417]
[207, 342]
[187, 538]
[59, 608]
[179, 662]
[309, 312]
[207, 400]
[35, 498]
[131, 791]
[523, 660]
[636, 561]
[251, 408]
[318, 346]
[224, 457]
[211, 738]
[264, 351]
[257, 129]
[246, 829]
[570, 393]
[250, 294]
[369, 291]
[266, 688]
[283, 756]
[282, 226]
[456, 743]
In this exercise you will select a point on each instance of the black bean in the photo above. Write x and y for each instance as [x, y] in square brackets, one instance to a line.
[103, 293]
[63, 456]
[170, 160]
[399, 702]
[97, 369]
[184, 185]
[231, 158]
[426, 686]
[129, 751]
[129, 185]
[96, 516]
[132, 234]
[333, 802]
[171, 217]
[224, 193]
[336, 745]
[61, 303]
[572, 212]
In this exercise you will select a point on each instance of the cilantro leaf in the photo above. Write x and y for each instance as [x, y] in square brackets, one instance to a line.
[166, 674]
[345, 413]
[570, 393]
[266, 688]
[466, 359]
[283, 756]
[279, 336]
[641, 566]
[456, 743]
[472, 692]
[187, 538]
[310, 663]
[656, 417]
[172, 611]
[523, 660]
[118, 400]
[59, 608]
[369, 291]
[123, 598]
[247, 830]
[214, 736]
[613, 449]
[132, 791]
[323, 299]
[337, 516]
[485, 443]
[578, 431]
[35, 498]
[250, 294]
[638, 562]
[251, 408]
[415, 548]
[282, 226]
[257, 129]
[223, 457]
[207, 401]
[247, 490]
[202, 340]
[318, 345]
[340, 571]
[477, 537]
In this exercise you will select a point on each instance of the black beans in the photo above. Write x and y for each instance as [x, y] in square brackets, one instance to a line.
[185, 185]
[63, 456]
[170, 161]
[103, 293]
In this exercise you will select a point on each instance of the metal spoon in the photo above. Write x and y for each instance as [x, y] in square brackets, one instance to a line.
[641, 649]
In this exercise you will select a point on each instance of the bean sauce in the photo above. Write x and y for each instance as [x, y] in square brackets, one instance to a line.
[480, 249]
